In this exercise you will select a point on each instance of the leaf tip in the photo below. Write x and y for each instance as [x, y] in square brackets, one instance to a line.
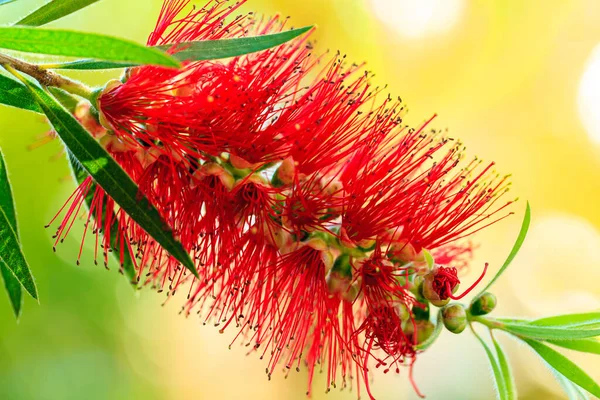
[33, 293]
[190, 265]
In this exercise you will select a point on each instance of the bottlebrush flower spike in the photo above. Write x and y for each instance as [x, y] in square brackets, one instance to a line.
[305, 200]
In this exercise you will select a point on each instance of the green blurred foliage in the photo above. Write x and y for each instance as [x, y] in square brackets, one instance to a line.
[68, 346]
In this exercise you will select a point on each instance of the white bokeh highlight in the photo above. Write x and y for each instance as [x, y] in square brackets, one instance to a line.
[419, 18]
[558, 268]
[589, 96]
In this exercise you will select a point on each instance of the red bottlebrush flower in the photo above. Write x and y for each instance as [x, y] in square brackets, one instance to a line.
[305, 202]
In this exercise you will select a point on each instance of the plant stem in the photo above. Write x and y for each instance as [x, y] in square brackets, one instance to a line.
[46, 77]
[491, 324]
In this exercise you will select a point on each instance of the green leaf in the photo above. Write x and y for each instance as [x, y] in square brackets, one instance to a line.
[201, 50]
[7, 203]
[515, 249]
[89, 64]
[13, 289]
[107, 173]
[65, 98]
[14, 94]
[79, 44]
[509, 382]
[500, 382]
[3, 2]
[582, 320]
[428, 258]
[127, 264]
[586, 322]
[571, 389]
[513, 320]
[12, 255]
[54, 10]
[589, 345]
[549, 332]
[12, 285]
[566, 367]
[434, 335]
[225, 48]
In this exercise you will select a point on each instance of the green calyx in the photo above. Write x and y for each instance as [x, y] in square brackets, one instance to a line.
[423, 329]
[454, 317]
[483, 304]
[94, 96]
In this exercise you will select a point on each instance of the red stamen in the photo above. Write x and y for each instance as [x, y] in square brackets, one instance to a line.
[449, 291]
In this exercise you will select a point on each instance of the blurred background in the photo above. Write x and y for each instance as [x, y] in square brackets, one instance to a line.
[518, 81]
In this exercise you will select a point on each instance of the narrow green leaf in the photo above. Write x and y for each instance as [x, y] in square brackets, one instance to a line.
[589, 345]
[127, 264]
[439, 324]
[509, 382]
[14, 94]
[428, 258]
[571, 389]
[225, 48]
[6, 197]
[90, 64]
[54, 10]
[13, 289]
[513, 320]
[566, 367]
[65, 98]
[3, 2]
[12, 285]
[570, 321]
[582, 320]
[80, 44]
[500, 383]
[549, 332]
[12, 255]
[515, 249]
[201, 50]
[109, 175]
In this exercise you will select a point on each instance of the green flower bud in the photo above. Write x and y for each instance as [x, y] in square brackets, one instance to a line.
[483, 304]
[440, 284]
[342, 285]
[454, 317]
[342, 264]
[433, 291]
[424, 330]
[423, 313]
[403, 312]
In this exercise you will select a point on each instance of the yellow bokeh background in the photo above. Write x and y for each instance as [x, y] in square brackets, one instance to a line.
[517, 80]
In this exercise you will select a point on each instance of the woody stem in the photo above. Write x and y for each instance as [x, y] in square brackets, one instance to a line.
[46, 77]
